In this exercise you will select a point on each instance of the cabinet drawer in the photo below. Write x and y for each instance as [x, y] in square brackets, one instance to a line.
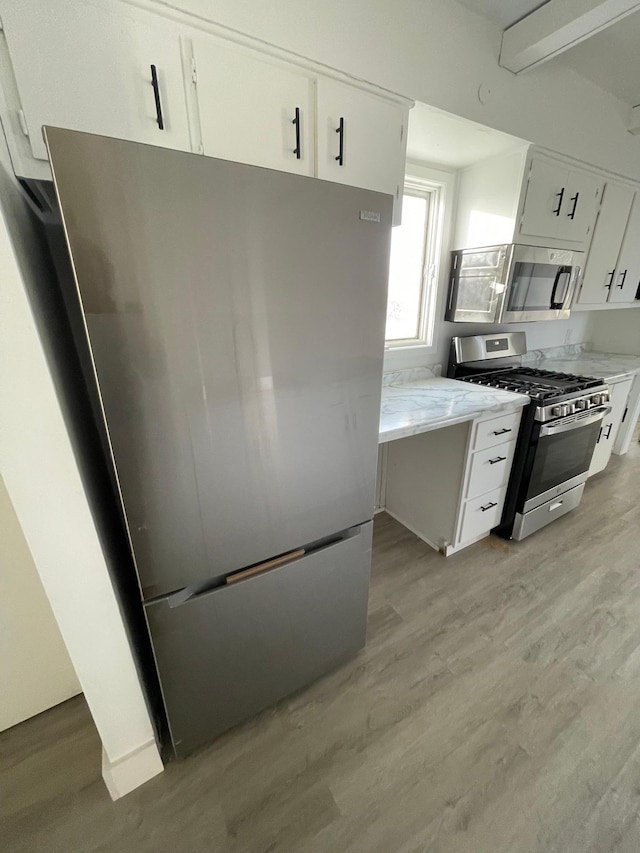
[482, 514]
[490, 468]
[496, 431]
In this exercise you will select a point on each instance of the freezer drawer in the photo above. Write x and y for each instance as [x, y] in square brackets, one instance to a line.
[228, 653]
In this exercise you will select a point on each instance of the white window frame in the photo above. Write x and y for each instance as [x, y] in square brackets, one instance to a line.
[440, 185]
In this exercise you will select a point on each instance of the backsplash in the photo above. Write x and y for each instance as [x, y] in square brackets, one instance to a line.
[534, 355]
[411, 374]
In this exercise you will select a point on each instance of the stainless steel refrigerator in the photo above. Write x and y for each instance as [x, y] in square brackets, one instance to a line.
[234, 321]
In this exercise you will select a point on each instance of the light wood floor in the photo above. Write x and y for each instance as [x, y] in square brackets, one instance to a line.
[495, 709]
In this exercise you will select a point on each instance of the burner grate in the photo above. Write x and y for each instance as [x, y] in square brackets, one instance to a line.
[541, 385]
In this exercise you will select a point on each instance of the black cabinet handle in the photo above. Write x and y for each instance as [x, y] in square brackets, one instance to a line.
[574, 199]
[608, 432]
[599, 436]
[625, 415]
[611, 275]
[560, 196]
[156, 95]
[624, 275]
[340, 132]
[296, 121]
[500, 431]
[497, 459]
[488, 506]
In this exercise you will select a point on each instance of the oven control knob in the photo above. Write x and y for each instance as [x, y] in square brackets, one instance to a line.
[560, 411]
[582, 404]
[597, 399]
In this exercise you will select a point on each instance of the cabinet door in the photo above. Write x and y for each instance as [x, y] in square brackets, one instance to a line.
[626, 286]
[580, 207]
[610, 426]
[247, 105]
[86, 67]
[545, 198]
[560, 203]
[600, 270]
[361, 139]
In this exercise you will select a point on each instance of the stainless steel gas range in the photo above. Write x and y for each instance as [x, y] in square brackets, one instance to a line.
[558, 432]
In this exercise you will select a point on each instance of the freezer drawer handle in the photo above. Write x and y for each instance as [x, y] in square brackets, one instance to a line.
[488, 506]
[275, 563]
[296, 121]
[340, 132]
[497, 459]
[500, 431]
[156, 95]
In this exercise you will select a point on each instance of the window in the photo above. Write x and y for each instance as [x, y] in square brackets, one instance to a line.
[411, 299]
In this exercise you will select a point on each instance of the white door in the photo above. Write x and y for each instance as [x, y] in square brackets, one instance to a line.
[626, 286]
[584, 192]
[610, 426]
[361, 138]
[545, 200]
[35, 668]
[82, 66]
[600, 277]
[254, 109]
[560, 203]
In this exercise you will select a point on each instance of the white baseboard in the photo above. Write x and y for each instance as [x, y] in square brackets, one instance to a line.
[132, 770]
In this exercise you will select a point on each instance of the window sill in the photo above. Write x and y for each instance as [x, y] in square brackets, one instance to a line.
[409, 355]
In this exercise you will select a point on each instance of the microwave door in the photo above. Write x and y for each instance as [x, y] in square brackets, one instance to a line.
[539, 291]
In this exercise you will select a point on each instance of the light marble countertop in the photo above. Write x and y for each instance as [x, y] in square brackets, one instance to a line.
[602, 365]
[426, 404]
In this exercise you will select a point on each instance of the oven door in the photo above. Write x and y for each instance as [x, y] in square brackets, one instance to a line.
[540, 284]
[560, 456]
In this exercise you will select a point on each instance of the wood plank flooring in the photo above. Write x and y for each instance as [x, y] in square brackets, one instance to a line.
[495, 709]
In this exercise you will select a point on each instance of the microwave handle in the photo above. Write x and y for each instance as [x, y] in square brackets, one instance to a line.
[562, 270]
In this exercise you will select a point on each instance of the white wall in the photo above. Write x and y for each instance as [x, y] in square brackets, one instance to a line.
[439, 52]
[35, 668]
[44, 484]
[617, 331]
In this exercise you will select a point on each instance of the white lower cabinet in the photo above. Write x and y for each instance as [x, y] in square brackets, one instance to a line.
[448, 486]
[481, 514]
[610, 426]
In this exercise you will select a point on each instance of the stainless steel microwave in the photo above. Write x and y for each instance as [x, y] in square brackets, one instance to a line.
[512, 284]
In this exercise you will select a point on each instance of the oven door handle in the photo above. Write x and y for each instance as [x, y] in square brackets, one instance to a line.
[566, 426]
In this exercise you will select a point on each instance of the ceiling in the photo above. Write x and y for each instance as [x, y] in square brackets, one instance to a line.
[610, 59]
[447, 140]
[503, 12]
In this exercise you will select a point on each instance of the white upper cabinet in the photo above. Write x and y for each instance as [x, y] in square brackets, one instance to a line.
[88, 67]
[612, 271]
[252, 108]
[600, 277]
[361, 138]
[111, 68]
[626, 285]
[560, 203]
[525, 196]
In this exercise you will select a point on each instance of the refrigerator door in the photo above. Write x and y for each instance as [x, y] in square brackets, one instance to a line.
[226, 654]
[235, 317]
